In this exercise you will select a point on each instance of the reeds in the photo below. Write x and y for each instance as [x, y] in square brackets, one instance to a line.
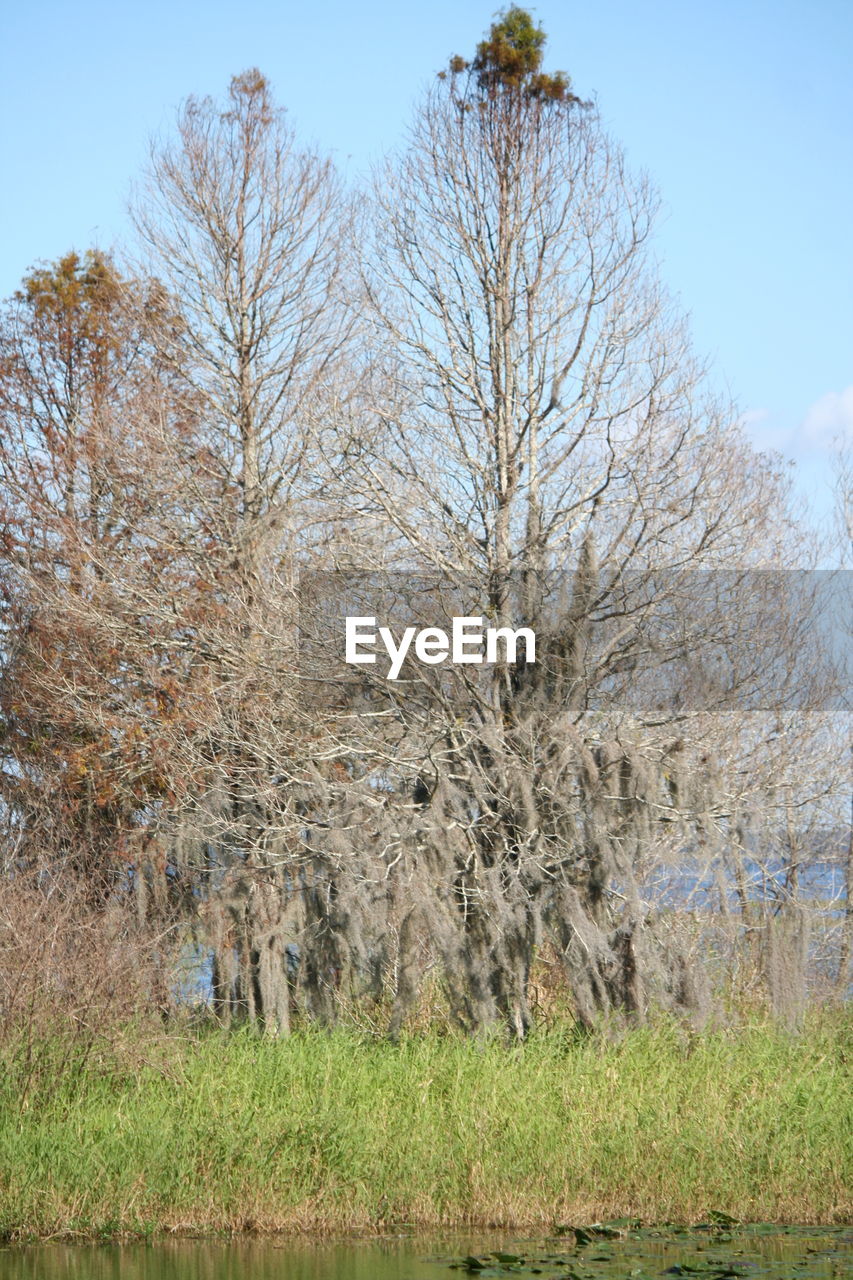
[338, 1132]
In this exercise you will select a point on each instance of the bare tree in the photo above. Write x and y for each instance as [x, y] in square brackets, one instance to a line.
[248, 233]
[544, 442]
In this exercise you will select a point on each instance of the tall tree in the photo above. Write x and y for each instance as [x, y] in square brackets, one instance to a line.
[546, 443]
[248, 232]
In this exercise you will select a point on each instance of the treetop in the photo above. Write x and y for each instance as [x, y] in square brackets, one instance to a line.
[509, 61]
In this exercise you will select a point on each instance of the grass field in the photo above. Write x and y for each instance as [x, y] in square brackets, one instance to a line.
[335, 1132]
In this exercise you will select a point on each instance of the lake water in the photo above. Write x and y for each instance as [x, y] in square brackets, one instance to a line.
[762, 1252]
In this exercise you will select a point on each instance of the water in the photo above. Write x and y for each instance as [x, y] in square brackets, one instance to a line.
[765, 1253]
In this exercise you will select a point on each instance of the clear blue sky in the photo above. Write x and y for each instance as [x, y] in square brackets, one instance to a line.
[742, 112]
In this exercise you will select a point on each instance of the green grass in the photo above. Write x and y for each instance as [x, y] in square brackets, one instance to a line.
[335, 1132]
